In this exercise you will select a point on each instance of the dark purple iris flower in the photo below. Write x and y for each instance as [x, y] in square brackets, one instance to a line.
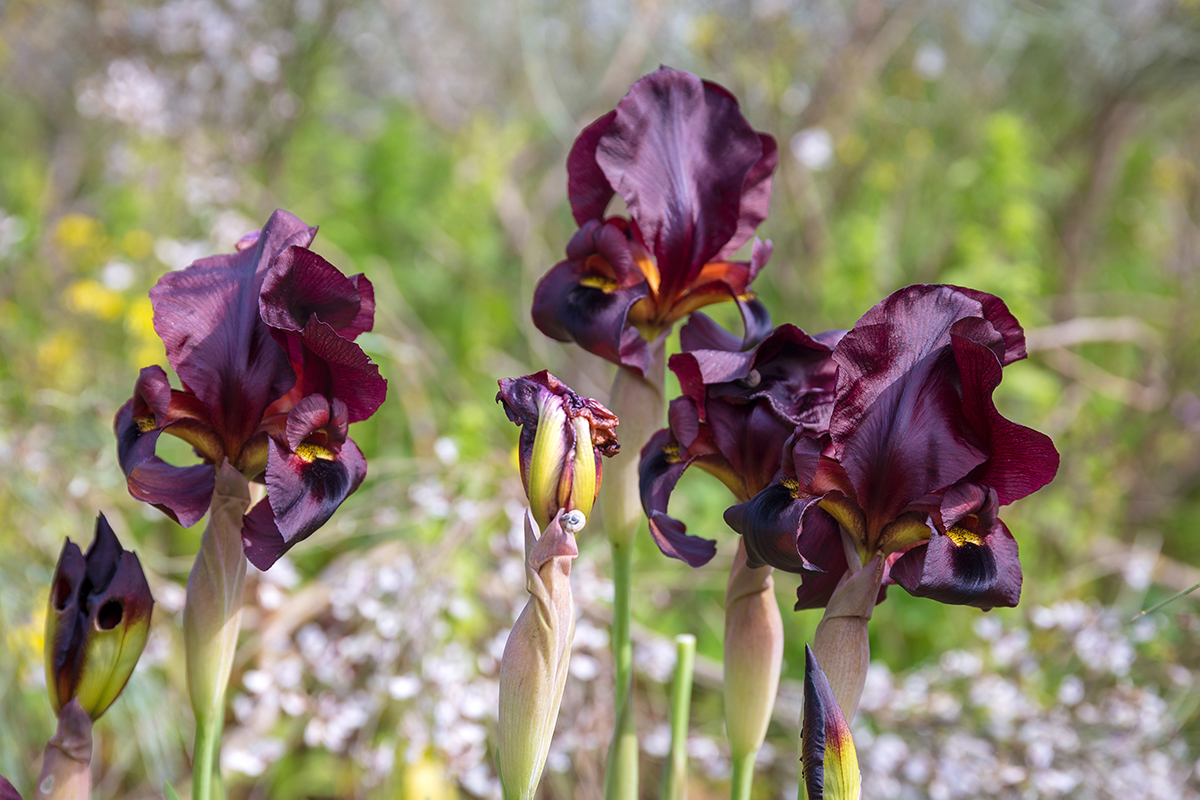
[263, 342]
[737, 411]
[696, 179]
[916, 461]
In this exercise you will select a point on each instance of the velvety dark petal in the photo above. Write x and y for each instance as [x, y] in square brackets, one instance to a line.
[261, 539]
[152, 394]
[659, 470]
[792, 373]
[316, 414]
[587, 189]
[301, 285]
[182, 493]
[1020, 460]
[898, 427]
[678, 151]
[334, 366]
[770, 527]
[305, 487]
[821, 543]
[756, 321]
[756, 196]
[568, 310]
[207, 316]
[701, 370]
[65, 619]
[964, 567]
[702, 333]
[1002, 320]
[751, 437]
[683, 419]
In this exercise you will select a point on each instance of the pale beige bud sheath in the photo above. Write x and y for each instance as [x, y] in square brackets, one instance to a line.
[213, 611]
[753, 653]
[66, 771]
[533, 670]
[841, 643]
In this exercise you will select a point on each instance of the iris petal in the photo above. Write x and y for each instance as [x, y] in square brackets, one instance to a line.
[208, 317]
[659, 470]
[678, 152]
[302, 284]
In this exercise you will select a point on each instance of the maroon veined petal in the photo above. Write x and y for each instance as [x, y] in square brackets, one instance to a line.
[697, 370]
[756, 321]
[1002, 320]
[756, 196]
[678, 152]
[152, 394]
[955, 569]
[587, 188]
[261, 539]
[659, 470]
[567, 309]
[770, 527]
[821, 543]
[317, 414]
[182, 493]
[702, 333]
[751, 437]
[1020, 460]
[792, 373]
[302, 285]
[305, 486]
[898, 428]
[207, 316]
[329, 364]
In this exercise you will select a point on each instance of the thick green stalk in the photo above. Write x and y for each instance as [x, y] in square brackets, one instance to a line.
[212, 616]
[638, 402]
[674, 786]
[743, 776]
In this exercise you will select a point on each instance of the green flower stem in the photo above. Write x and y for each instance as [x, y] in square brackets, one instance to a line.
[212, 616]
[743, 776]
[674, 785]
[204, 759]
[621, 767]
[638, 402]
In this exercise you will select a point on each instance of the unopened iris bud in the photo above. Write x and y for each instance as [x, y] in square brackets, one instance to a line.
[533, 669]
[753, 654]
[563, 436]
[97, 622]
[826, 747]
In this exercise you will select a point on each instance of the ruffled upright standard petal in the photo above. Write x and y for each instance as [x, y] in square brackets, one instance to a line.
[678, 152]
[696, 180]
[301, 284]
[208, 317]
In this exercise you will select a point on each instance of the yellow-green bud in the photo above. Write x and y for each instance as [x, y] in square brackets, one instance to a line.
[562, 435]
[96, 623]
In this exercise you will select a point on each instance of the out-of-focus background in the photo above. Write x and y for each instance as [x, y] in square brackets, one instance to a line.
[1043, 150]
